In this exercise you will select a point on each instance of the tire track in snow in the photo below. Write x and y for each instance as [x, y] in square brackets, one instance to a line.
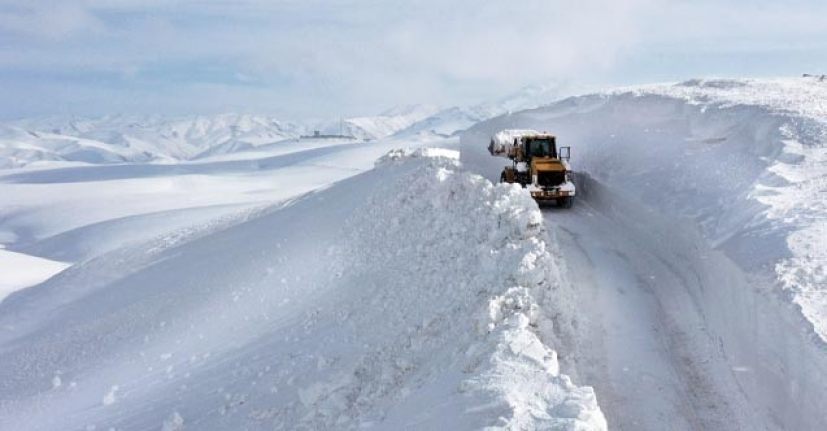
[646, 350]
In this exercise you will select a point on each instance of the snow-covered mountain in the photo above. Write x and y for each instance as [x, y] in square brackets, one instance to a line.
[22, 147]
[385, 124]
[138, 139]
[306, 285]
[119, 139]
[455, 119]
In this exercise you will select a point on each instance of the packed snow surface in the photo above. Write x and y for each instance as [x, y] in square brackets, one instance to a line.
[698, 241]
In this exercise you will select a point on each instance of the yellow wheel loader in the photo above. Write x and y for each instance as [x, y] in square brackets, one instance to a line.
[537, 164]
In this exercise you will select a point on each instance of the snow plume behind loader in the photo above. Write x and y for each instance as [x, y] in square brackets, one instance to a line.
[537, 164]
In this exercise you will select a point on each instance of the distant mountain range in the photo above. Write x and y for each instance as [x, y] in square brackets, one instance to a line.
[125, 138]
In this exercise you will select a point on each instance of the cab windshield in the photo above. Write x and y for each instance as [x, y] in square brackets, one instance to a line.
[541, 148]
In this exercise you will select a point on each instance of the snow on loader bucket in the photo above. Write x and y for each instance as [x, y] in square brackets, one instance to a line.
[536, 164]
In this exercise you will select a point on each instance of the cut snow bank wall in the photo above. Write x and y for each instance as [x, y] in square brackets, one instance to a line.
[413, 296]
[452, 270]
[725, 180]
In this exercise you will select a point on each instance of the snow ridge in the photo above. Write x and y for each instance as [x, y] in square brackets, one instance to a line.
[414, 295]
[461, 263]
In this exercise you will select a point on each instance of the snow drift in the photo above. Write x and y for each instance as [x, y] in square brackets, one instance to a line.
[436, 306]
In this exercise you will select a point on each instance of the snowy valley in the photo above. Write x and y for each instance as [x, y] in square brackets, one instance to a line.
[235, 272]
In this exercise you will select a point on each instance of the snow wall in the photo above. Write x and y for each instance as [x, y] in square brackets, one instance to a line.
[413, 296]
[725, 181]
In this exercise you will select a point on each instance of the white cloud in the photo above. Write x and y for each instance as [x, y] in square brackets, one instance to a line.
[349, 56]
[51, 21]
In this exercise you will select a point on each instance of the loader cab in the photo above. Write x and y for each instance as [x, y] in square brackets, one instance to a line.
[537, 163]
[541, 146]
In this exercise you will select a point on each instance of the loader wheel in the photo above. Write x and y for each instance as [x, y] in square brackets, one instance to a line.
[502, 177]
[566, 202]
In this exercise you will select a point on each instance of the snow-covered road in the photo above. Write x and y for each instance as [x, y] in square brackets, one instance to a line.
[697, 248]
[646, 348]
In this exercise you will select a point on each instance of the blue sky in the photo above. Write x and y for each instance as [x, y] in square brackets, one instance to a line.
[311, 58]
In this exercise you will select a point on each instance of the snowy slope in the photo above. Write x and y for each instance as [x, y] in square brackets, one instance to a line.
[333, 311]
[29, 271]
[447, 122]
[74, 213]
[450, 121]
[706, 214]
[384, 124]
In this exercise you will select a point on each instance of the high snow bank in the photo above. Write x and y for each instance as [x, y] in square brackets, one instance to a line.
[435, 305]
[740, 164]
[477, 255]
[796, 196]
